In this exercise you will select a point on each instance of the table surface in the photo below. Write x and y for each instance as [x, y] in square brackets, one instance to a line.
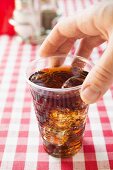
[20, 142]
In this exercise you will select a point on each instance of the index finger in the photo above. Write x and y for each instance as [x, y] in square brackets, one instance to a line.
[71, 27]
[57, 37]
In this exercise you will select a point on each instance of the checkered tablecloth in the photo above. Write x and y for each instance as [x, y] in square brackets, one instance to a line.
[20, 142]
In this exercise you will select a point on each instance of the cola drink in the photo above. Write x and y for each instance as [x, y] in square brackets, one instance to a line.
[59, 109]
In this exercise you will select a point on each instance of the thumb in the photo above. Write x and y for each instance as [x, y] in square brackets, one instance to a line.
[100, 78]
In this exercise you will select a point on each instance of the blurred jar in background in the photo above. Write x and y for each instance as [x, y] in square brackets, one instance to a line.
[6, 12]
[33, 19]
[49, 11]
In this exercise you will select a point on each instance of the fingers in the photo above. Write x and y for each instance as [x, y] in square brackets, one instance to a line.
[84, 24]
[58, 43]
[100, 78]
[57, 61]
[52, 42]
[66, 29]
[61, 38]
[63, 50]
[87, 44]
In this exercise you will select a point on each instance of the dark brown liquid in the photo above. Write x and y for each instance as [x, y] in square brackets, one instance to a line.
[61, 116]
[56, 77]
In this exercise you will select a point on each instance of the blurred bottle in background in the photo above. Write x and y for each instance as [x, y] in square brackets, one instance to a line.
[27, 20]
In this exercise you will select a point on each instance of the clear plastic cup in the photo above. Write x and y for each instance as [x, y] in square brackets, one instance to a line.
[60, 112]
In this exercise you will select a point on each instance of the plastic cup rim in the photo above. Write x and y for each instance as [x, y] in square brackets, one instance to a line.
[55, 89]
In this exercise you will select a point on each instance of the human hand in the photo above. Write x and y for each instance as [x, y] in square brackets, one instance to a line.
[93, 26]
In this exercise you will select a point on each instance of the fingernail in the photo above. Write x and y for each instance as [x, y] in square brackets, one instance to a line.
[90, 94]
